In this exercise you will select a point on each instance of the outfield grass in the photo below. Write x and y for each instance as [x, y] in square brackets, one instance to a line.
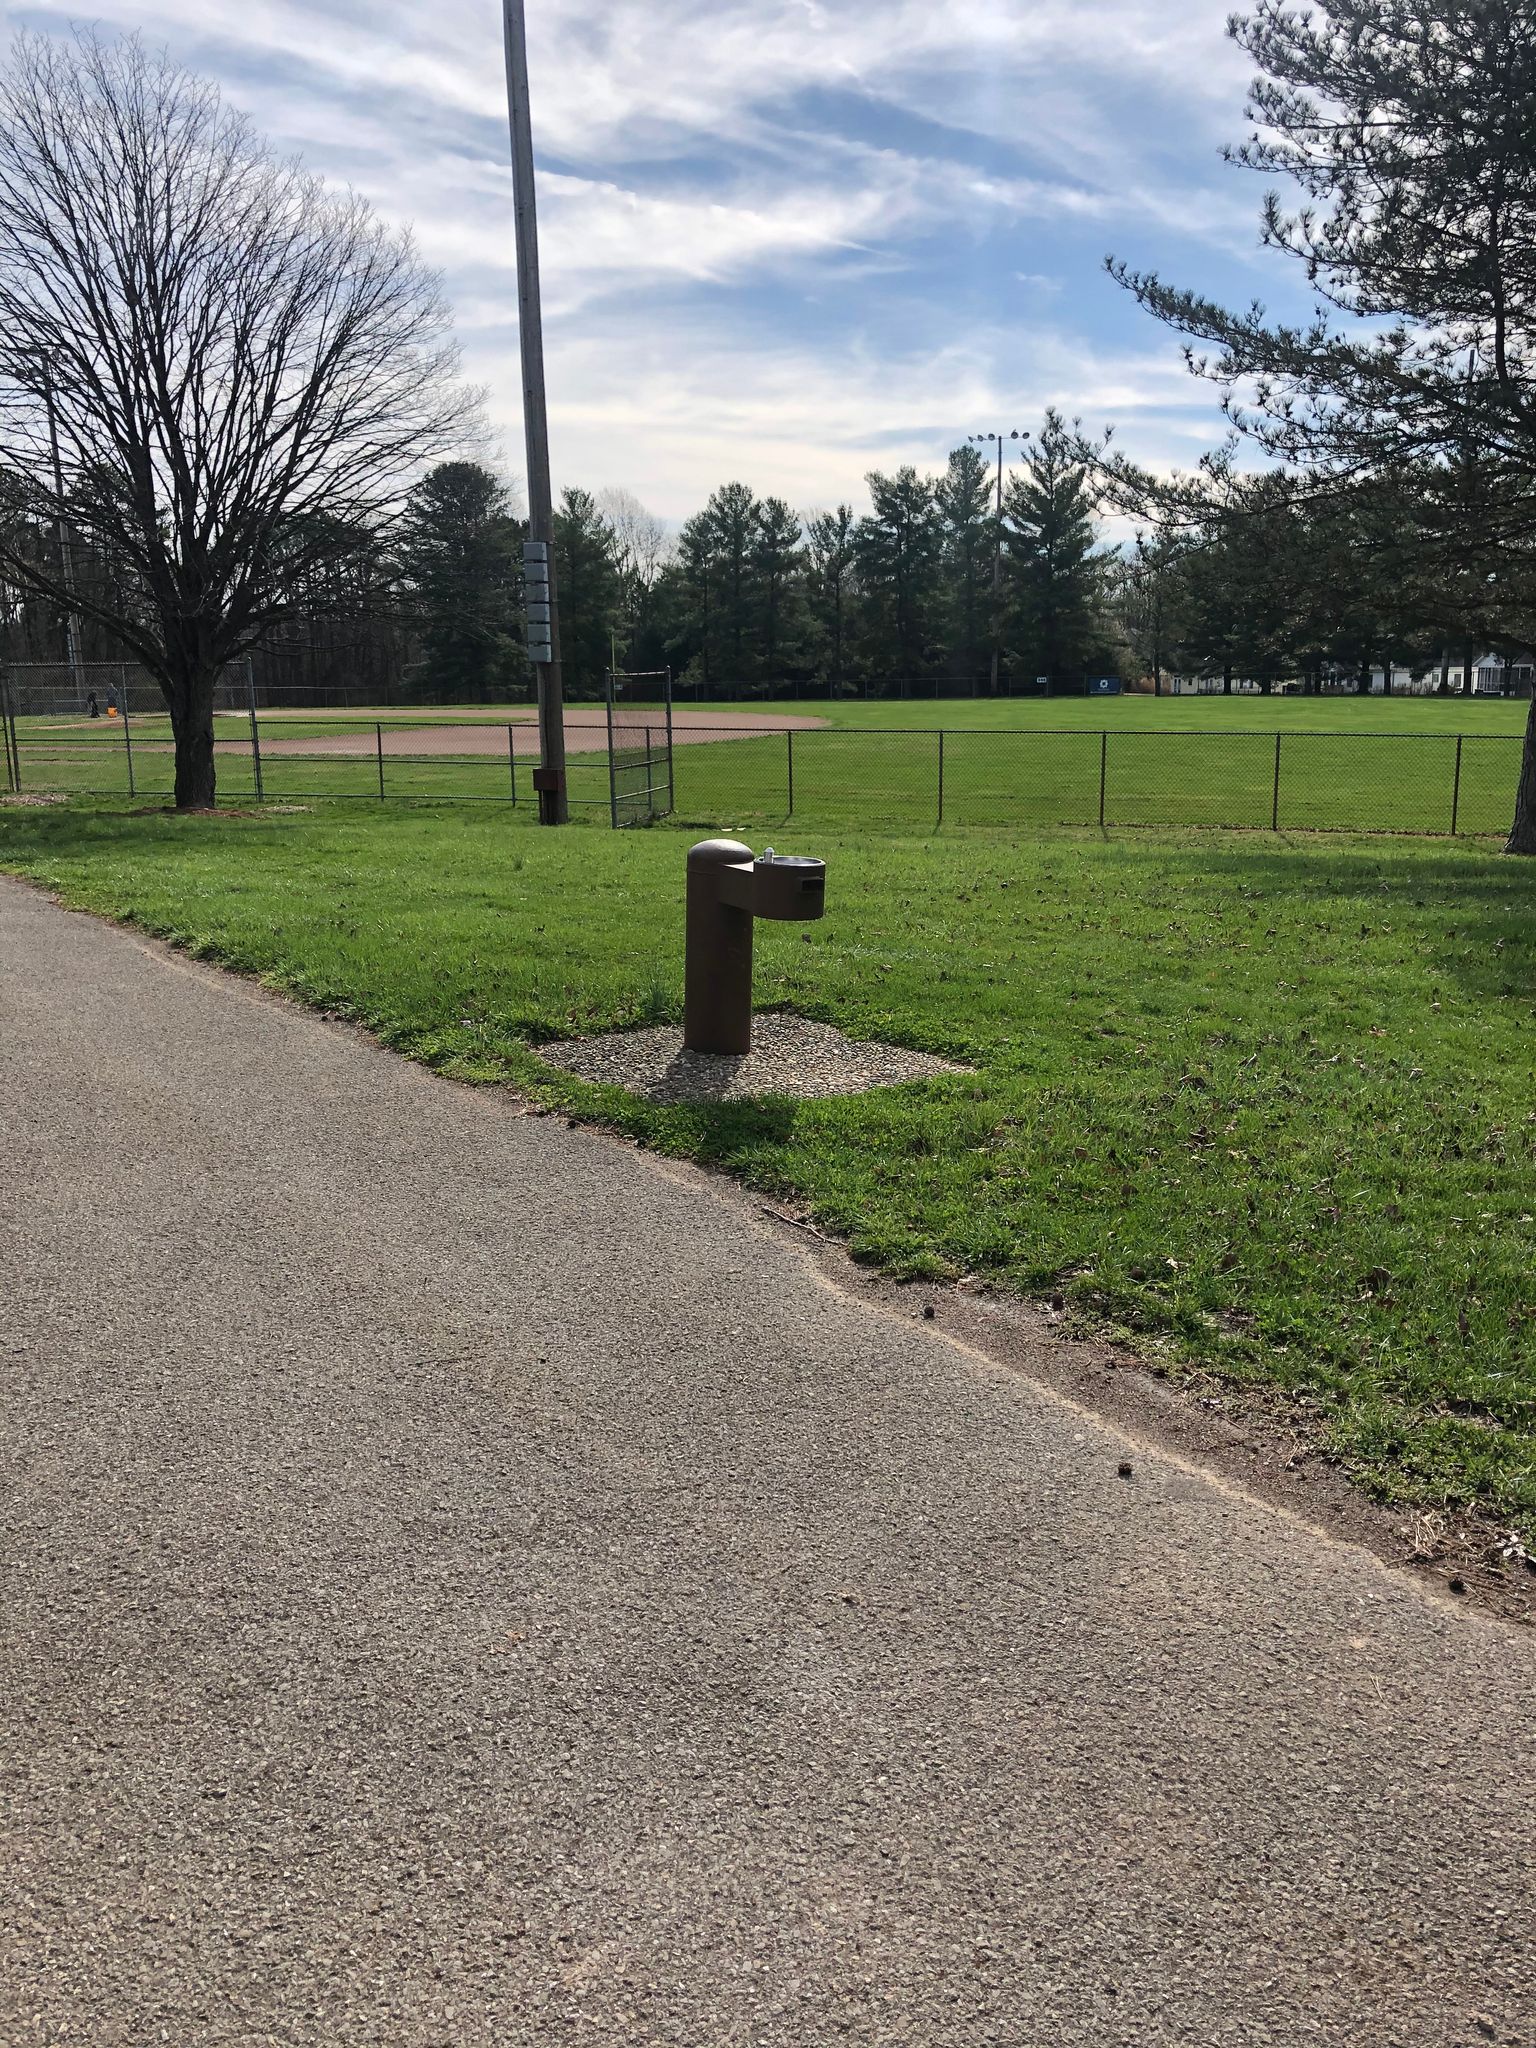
[1267, 1100]
[1307, 764]
[1135, 711]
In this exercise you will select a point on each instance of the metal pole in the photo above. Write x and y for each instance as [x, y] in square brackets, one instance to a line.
[250, 700]
[554, 808]
[1274, 808]
[1455, 788]
[122, 684]
[789, 755]
[997, 567]
[941, 774]
[512, 762]
[378, 740]
[671, 776]
[66, 552]
[613, 772]
[12, 778]
[1103, 773]
[13, 738]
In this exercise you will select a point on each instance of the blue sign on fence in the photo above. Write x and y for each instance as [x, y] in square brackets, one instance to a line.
[1104, 686]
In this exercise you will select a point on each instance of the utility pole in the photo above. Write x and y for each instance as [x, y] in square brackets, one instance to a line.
[66, 552]
[543, 647]
[997, 547]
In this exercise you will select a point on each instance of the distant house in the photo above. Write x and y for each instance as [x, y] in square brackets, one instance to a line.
[1492, 676]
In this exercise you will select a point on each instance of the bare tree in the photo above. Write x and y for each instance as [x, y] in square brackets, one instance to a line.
[239, 366]
[644, 545]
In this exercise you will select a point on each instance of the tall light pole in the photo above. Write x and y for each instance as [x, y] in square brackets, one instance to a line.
[543, 646]
[997, 545]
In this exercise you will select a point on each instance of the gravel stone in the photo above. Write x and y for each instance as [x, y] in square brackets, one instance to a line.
[790, 1056]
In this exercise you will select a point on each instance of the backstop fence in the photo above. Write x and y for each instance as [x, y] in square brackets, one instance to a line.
[755, 771]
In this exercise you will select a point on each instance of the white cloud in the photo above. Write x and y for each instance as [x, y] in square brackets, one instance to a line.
[677, 415]
[692, 150]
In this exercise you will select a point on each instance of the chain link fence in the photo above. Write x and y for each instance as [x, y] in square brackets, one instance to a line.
[755, 771]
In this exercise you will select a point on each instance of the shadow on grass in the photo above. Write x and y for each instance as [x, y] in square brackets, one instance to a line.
[1479, 901]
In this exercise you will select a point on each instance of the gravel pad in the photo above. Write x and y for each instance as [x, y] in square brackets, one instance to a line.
[789, 1056]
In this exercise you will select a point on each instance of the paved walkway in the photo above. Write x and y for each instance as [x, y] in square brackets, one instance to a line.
[465, 1586]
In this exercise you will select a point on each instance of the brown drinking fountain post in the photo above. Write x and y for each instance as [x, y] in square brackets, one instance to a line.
[727, 888]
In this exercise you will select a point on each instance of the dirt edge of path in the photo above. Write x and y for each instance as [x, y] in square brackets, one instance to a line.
[1251, 1441]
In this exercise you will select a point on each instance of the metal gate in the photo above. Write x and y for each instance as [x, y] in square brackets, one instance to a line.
[639, 745]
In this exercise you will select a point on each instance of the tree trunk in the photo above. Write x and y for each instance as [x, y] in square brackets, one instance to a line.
[191, 702]
[1468, 673]
[1445, 675]
[1522, 833]
[1226, 679]
[1363, 676]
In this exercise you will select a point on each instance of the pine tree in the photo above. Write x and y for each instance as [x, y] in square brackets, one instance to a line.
[1408, 127]
[1152, 599]
[899, 548]
[457, 557]
[965, 498]
[587, 591]
[1055, 592]
[778, 562]
[731, 530]
[829, 585]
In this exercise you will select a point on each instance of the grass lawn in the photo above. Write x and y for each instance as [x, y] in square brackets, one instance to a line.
[1346, 764]
[1134, 711]
[1267, 1099]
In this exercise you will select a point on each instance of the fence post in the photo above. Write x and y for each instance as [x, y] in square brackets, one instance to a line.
[789, 756]
[1456, 788]
[378, 740]
[941, 774]
[8, 726]
[127, 734]
[12, 770]
[1274, 808]
[1103, 773]
[512, 762]
[250, 701]
[609, 681]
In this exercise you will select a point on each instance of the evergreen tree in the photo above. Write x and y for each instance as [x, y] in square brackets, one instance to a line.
[1151, 598]
[965, 498]
[1408, 129]
[457, 558]
[899, 549]
[688, 597]
[829, 589]
[778, 562]
[587, 591]
[730, 533]
[1055, 591]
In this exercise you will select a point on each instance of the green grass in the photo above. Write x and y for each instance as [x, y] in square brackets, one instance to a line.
[1265, 1099]
[1135, 711]
[1139, 711]
[1344, 765]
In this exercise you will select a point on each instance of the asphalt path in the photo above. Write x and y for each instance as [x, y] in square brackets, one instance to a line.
[466, 1583]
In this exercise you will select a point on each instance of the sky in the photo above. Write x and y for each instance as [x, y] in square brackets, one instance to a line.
[782, 241]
